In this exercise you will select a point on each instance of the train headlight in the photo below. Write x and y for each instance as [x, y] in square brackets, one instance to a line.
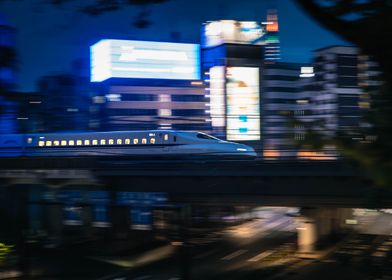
[241, 149]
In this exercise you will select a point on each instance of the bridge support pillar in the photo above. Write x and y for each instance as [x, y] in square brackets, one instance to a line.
[319, 224]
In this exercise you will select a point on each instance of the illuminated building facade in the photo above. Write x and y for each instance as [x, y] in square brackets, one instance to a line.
[149, 85]
[286, 98]
[233, 55]
[232, 73]
[344, 79]
[272, 42]
[140, 106]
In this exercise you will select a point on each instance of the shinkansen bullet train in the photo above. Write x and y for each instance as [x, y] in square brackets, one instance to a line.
[121, 143]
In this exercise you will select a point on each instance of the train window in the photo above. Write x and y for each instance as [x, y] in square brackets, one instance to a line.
[56, 143]
[41, 143]
[48, 143]
[144, 141]
[174, 138]
[86, 142]
[78, 142]
[135, 141]
[103, 141]
[152, 141]
[127, 141]
[71, 142]
[119, 141]
[95, 142]
[166, 137]
[63, 143]
[29, 140]
[111, 141]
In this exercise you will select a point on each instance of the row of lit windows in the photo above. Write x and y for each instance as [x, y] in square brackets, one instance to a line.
[95, 142]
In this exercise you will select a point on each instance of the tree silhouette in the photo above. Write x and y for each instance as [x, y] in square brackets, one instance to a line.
[99, 7]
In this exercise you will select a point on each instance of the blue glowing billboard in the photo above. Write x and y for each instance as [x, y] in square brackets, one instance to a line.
[143, 59]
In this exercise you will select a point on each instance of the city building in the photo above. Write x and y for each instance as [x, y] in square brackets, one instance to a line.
[344, 80]
[233, 57]
[286, 104]
[8, 108]
[160, 106]
[66, 102]
[150, 85]
[271, 38]
[232, 73]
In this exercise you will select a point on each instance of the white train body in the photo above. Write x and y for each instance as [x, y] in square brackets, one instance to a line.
[121, 143]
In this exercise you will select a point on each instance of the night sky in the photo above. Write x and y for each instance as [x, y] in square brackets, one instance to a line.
[48, 39]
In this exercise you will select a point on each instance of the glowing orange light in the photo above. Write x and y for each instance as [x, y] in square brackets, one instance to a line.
[274, 27]
[272, 19]
[311, 155]
[271, 153]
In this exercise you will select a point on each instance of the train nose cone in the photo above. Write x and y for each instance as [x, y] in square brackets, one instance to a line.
[246, 150]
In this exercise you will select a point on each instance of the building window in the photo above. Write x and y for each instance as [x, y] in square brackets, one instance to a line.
[63, 143]
[111, 141]
[56, 143]
[152, 141]
[299, 137]
[135, 141]
[119, 141]
[144, 141]
[86, 142]
[103, 142]
[71, 143]
[127, 141]
[78, 142]
[48, 143]
[41, 143]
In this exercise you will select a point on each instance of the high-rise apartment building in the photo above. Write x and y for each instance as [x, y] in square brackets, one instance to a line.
[285, 104]
[343, 80]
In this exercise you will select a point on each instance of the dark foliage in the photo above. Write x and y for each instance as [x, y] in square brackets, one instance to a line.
[7, 57]
[99, 7]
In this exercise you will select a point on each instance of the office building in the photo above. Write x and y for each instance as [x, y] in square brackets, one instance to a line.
[344, 80]
[150, 85]
[160, 106]
[286, 105]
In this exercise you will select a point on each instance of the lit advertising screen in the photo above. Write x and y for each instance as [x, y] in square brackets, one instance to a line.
[143, 59]
[242, 103]
[231, 31]
[217, 96]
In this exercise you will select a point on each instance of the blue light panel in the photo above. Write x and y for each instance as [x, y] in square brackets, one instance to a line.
[143, 59]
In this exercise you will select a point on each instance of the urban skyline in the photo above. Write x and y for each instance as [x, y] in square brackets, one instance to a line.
[66, 45]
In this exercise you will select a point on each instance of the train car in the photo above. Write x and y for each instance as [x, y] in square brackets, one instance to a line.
[124, 143]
